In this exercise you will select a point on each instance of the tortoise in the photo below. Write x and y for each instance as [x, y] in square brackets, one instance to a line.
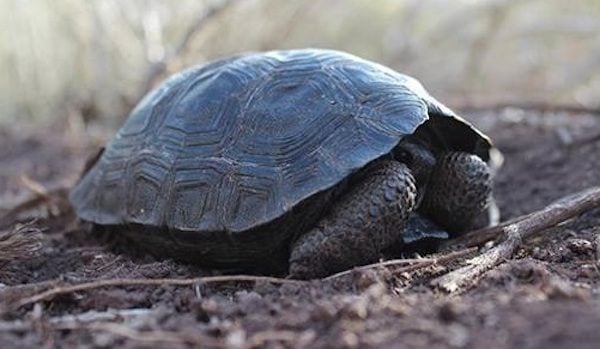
[307, 160]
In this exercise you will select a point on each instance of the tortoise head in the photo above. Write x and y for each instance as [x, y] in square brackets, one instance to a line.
[415, 153]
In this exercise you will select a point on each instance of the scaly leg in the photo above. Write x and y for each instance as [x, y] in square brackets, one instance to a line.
[368, 218]
[458, 192]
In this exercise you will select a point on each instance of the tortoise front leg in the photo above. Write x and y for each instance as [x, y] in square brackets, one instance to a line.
[363, 222]
[459, 191]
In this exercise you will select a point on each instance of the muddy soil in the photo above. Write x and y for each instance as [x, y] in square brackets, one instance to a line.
[548, 296]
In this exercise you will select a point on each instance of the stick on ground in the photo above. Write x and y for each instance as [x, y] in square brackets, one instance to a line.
[406, 264]
[66, 289]
[515, 232]
[60, 290]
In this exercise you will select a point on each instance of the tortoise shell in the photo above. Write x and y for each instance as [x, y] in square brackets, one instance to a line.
[237, 143]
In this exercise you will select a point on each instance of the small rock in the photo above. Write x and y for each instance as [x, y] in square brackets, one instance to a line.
[538, 253]
[103, 340]
[458, 336]
[209, 306]
[587, 271]
[357, 308]
[367, 279]
[236, 338]
[349, 339]
[556, 288]
[376, 290]
[324, 311]
[580, 246]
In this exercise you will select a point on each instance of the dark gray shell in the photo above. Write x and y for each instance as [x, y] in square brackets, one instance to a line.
[238, 142]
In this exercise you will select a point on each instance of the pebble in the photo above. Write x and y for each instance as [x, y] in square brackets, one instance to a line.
[579, 246]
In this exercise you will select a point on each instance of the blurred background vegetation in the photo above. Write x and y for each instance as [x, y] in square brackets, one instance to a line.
[90, 61]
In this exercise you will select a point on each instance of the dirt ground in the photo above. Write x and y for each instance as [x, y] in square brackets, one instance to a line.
[547, 296]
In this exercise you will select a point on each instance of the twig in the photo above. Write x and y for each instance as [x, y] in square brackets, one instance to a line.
[516, 231]
[552, 214]
[413, 264]
[480, 236]
[60, 290]
[157, 68]
[388, 263]
[36, 187]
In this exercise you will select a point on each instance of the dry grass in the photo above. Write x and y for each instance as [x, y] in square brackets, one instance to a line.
[21, 242]
[90, 59]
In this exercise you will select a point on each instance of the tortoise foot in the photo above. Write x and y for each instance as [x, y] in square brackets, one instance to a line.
[366, 220]
[459, 191]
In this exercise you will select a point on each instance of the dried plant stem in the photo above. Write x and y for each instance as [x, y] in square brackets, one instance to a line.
[515, 232]
[60, 290]
[551, 215]
[408, 264]
[158, 68]
[24, 241]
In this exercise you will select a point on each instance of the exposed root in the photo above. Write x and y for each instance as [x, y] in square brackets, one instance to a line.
[61, 290]
[409, 265]
[515, 231]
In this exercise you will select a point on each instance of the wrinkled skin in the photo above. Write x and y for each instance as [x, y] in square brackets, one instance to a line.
[450, 190]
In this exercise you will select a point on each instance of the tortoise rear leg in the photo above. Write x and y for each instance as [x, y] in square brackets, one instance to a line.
[459, 192]
[364, 221]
